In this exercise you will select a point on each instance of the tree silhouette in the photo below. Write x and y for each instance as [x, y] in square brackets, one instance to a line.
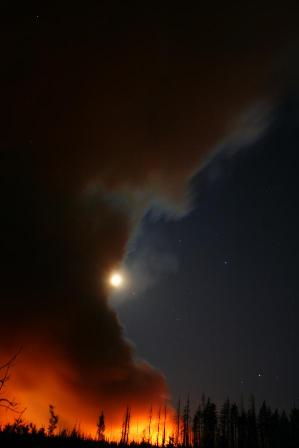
[158, 427]
[234, 418]
[5, 369]
[53, 421]
[150, 416]
[209, 425]
[186, 424]
[264, 426]
[224, 422]
[242, 428]
[101, 427]
[196, 427]
[294, 418]
[252, 425]
[284, 430]
[231, 426]
[126, 427]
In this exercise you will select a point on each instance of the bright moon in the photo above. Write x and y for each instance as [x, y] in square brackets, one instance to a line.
[116, 280]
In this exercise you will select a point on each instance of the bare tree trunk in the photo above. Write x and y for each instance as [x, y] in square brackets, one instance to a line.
[11, 405]
[126, 427]
[158, 429]
[178, 423]
[164, 425]
[149, 423]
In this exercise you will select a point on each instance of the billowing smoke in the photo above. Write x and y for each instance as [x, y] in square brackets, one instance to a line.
[114, 101]
[145, 265]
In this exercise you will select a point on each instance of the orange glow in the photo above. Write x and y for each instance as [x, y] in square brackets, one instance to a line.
[86, 419]
[34, 388]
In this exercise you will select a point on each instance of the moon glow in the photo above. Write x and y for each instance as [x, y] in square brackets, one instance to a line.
[116, 280]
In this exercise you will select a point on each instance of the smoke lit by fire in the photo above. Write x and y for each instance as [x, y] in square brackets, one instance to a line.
[153, 422]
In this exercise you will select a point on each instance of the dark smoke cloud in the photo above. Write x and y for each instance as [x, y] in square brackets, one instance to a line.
[97, 102]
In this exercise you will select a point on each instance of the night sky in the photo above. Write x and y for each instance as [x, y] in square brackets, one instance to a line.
[223, 319]
[159, 142]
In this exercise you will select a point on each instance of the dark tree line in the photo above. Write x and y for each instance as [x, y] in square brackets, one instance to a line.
[234, 427]
[230, 426]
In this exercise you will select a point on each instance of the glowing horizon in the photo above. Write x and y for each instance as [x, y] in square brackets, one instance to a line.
[141, 428]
